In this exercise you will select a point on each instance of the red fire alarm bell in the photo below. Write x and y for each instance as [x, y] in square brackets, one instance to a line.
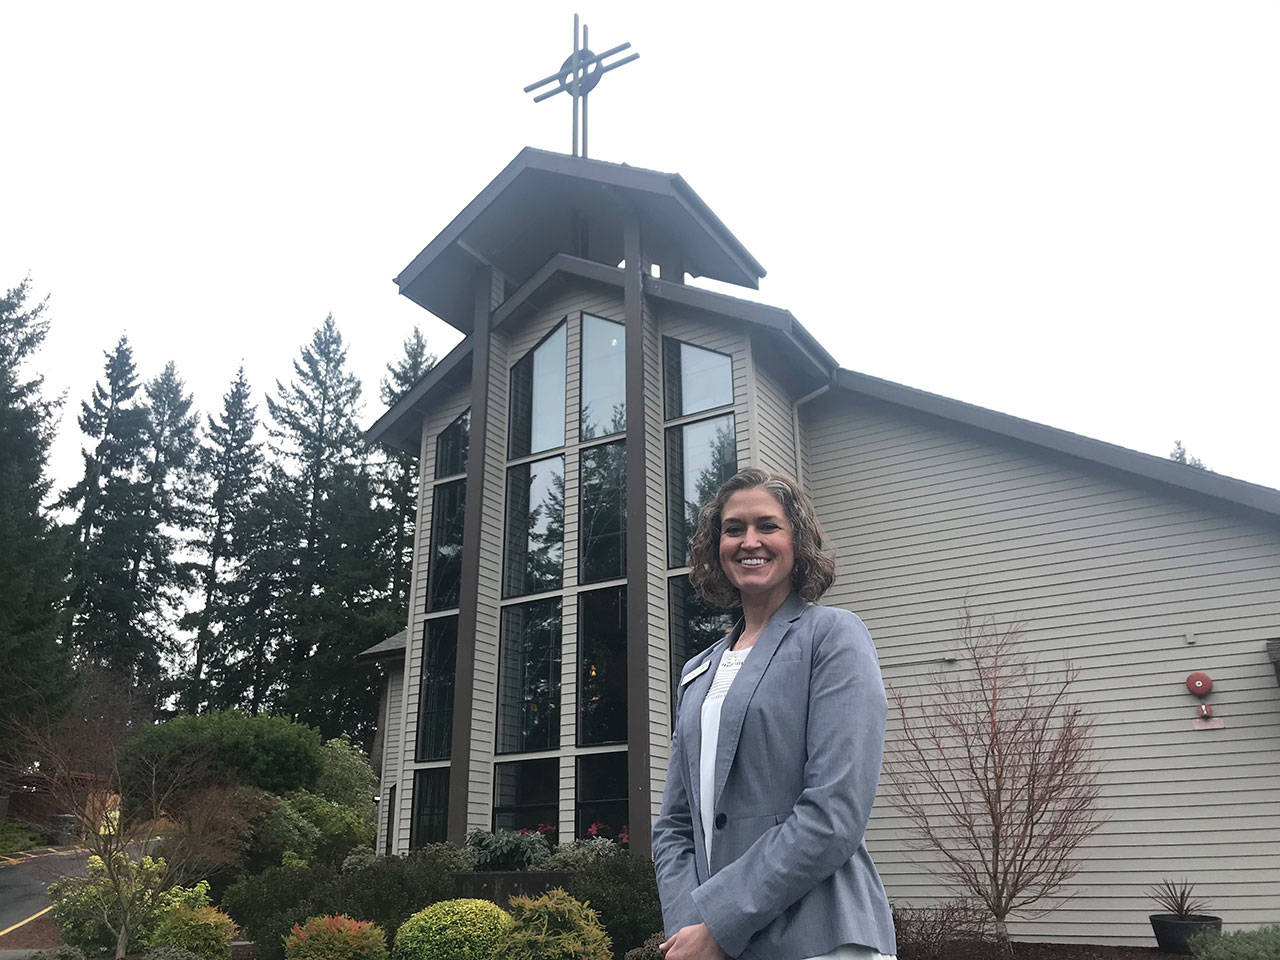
[1199, 684]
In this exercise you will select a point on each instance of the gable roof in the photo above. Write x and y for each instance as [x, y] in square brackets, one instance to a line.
[544, 203]
[390, 648]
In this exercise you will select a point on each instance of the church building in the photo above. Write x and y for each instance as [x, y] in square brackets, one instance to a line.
[599, 395]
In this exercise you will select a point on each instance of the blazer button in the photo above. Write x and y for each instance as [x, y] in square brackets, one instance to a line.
[721, 820]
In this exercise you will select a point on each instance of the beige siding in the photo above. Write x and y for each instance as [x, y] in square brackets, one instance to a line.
[656, 574]
[1134, 587]
[775, 430]
[392, 743]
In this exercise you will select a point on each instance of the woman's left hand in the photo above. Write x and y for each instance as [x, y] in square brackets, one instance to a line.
[692, 943]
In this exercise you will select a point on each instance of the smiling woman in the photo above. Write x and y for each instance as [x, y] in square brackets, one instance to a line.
[740, 712]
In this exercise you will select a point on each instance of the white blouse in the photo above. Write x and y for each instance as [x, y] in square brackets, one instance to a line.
[728, 669]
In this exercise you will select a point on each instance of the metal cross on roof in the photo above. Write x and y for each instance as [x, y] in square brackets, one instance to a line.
[578, 76]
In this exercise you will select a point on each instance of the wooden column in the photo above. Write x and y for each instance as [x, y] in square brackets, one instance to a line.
[469, 587]
[638, 802]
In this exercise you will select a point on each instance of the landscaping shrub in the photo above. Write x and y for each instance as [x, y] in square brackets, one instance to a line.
[335, 938]
[271, 753]
[91, 911]
[268, 904]
[389, 890]
[624, 892]
[60, 952]
[205, 931]
[507, 850]
[170, 953]
[16, 836]
[554, 926]
[347, 777]
[574, 856]
[452, 930]
[1261, 944]
[648, 950]
[359, 858]
[931, 932]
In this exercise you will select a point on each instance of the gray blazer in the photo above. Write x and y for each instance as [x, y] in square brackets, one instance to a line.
[797, 764]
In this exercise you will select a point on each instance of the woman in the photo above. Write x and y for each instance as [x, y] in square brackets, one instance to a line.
[776, 751]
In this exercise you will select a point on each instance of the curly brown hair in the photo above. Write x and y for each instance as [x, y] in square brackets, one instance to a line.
[814, 569]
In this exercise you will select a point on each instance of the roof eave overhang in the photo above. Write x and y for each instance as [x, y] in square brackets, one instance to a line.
[400, 426]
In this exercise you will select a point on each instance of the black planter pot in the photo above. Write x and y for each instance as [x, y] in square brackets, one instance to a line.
[1173, 934]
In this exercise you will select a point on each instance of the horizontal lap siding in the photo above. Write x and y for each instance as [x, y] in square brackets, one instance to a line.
[389, 772]
[402, 745]
[656, 575]
[1105, 575]
[774, 426]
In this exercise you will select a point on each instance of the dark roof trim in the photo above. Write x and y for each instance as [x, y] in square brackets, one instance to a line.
[1159, 469]
[383, 428]
[610, 174]
[390, 648]
[748, 311]
[560, 263]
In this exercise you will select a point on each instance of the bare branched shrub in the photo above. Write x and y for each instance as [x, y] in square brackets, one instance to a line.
[930, 932]
[996, 772]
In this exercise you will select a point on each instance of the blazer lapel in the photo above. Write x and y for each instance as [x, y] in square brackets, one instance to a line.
[734, 710]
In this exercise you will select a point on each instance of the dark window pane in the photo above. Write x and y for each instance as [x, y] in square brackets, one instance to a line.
[604, 407]
[430, 807]
[526, 796]
[602, 667]
[451, 447]
[700, 457]
[694, 379]
[445, 575]
[534, 556]
[602, 519]
[435, 689]
[529, 677]
[537, 397]
[390, 837]
[694, 626]
[602, 796]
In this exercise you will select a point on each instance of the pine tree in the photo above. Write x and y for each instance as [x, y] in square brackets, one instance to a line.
[399, 470]
[108, 622]
[332, 545]
[32, 561]
[229, 463]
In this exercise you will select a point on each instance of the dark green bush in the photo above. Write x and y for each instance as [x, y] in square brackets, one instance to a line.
[624, 891]
[335, 938]
[572, 857]
[1261, 944]
[268, 904]
[553, 926]
[60, 952]
[347, 777]
[205, 931]
[169, 953]
[452, 930]
[507, 850]
[271, 753]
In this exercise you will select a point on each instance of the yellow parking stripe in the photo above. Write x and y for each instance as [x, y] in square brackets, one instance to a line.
[23, 923]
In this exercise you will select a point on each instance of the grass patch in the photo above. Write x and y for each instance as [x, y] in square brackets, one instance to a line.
[17, 836]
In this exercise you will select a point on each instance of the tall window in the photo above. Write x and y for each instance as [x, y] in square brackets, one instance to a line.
[526, 794]
[533, 560]
[602, 666]
[604, 379]
[435, 689]
[529, 677]
[448, 505]
[537, 397]
[452, 447]
[700, 456]
[694, 378]
[602, 795]
[430, 807]
[602, 520]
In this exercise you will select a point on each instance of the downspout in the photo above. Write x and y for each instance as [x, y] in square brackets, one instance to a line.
[795, 427]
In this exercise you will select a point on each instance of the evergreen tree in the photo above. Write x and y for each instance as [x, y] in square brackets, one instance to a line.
[32, 561]
[109, 622]
[399, 473]
[229, 463]
[331, 545]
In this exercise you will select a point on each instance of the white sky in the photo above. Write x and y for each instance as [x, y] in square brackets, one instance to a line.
[1067, 211]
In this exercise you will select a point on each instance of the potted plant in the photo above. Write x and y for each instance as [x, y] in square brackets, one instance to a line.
[1182, 918]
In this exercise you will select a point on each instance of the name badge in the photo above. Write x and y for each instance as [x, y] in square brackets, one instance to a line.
[697, 671]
